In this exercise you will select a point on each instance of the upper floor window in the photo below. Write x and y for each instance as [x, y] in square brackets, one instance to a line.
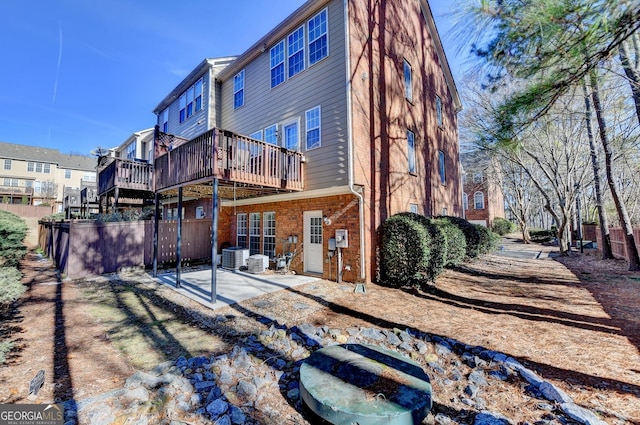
[439, 111]
[190, 101]
[477, 177]
[318, 38]
[238, 90]
[31, 166]
[257, 135]
[89, 177]
[277, 64]
[295, 42]
[165, 121]
[198, 95]
[291, 139]
[442, 168]
[408, 85]
[131, 150]
[7, 164]
[47, 168]
[38, 167]
[271, 134]
[465, 201]
[313, 128]
[182, 102]
[67, 174]
[411, 151]
[478, 200]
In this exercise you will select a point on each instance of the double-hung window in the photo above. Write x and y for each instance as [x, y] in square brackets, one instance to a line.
[131, 150]
[7, 164]
[165, 121]
[295, 42]
[313, 128]
[38, 167]
[257, 135]
[241, 239]
[277, 64]
[190, 97]
[291, 141]
[408, 84]
[465, 201]
[238, 90]
[271, 134]
[411, 151]
[254, 233]
[67, 174]
[318, 37]
[47, 168]
[269, 234]
[441, 167]
[31, 166]
[439, 110]
[198, 95]
[182, 102]
[478, 200]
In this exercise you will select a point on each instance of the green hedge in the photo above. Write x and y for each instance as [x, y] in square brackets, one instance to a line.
[13, 230]
[437, 244]
[502, 226]
[456, 242]
[10, 286]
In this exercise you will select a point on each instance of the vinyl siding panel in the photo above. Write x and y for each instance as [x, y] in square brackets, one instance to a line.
[323, 84]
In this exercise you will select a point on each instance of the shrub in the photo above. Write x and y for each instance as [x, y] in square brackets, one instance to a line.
[456, 242]
[542, 235]
[471, 234]
[13, 230]
[488, 241]
[404, 253]
[5, 347]
[437, 244]
[10, 287]
[502, 226]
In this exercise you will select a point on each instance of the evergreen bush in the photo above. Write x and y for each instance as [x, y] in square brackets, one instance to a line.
[404, 253]
[13, 230]
[438, 244]
[456, 242]
[10, 287]
[502, 226]
[488, 241]
[471, 234]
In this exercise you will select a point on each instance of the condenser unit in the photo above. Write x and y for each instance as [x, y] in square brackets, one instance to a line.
[235, 257]
[258, 263]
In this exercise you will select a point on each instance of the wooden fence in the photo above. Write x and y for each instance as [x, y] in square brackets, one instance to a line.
[85, 248]
[28, 210]
[617, 237]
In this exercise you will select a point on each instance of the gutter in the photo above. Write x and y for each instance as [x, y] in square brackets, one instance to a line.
[352, 188]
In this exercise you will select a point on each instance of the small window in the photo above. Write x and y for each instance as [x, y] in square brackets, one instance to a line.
[30, 166]
[257, 135]
[478, 200]
[47, 168]
[313, 128]
[277, 64]
[131, 150]
[238, 90]
[7, 164]
[200, 212]
[271, 134]
[67, 174]
[242, 230]
[442, 168]
[318, 42]
[408, 84]
[190, 97]
[182, 102]
[38, 167]
[295, 42]
[439, 111]
[269, 235]
[413, 208]
[465, 201]
[444, 211]
[411, 151]
[291, 139]
[165, 121]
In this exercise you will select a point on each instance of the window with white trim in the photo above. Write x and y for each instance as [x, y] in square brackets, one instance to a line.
[238, 90]
[408, 83]
[7, 164]
[182, 103]
[465, 201]
[131, 150]
[295, 51]
[254, 233]
[30, 166]
[411, 151]
[439, 111]
[89, 177]
[478, 200]
[165, 121]
[200, 212]
[67, 174]
[38, 167]
[291, 139]
[277, 64]
[47, 168]
[256, 135]
[413, 208]
[271, 134]
[441, 167]
[269, 235]
[190, 101]
[198, 95]
[241, 233]
[313, 128]
[318, 37]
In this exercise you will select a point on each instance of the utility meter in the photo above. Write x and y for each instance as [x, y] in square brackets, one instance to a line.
[342, 238]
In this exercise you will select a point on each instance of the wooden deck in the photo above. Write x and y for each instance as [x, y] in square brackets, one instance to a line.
[229, 157]
[125, 174]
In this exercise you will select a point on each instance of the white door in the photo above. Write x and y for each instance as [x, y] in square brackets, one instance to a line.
[313, 259]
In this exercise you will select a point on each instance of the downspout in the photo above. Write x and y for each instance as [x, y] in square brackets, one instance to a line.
[352, 187]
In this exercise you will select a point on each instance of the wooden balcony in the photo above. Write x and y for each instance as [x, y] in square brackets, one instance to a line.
[231, 158]
[124, 174]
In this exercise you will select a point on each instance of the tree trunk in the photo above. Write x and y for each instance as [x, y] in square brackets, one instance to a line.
[630, 244]
[630, 64]
[607, 252]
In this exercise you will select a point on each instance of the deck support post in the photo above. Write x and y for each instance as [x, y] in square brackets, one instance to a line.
[179, 239]
[214, 239]
[156, 226]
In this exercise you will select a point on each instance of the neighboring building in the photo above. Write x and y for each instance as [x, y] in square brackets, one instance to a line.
[341, 116]
[482, 196]
[35, 175]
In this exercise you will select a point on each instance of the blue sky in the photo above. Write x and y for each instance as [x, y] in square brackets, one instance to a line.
[77, 74]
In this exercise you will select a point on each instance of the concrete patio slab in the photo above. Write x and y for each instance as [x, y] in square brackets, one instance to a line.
[232, 286]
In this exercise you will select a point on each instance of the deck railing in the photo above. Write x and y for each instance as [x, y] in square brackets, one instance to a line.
[232, 157]
[125, 174]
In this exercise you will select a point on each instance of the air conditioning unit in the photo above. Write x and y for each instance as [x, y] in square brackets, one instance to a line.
[258, 263]
[235, 257]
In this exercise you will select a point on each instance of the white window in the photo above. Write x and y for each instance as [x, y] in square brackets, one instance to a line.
[30, 166]
[200, 212]
[241, 238]
[465, 201]
[295, 52]
[413, 208]
[47, 168]
[411, 151]
[190, 101]
[131, 150]
[271, 134]
[439, 111]
[67, 174]
[254, 233]
[257, 135]
[198, 95]
[313, 128]
[38, 167]
[269, 235]
[441, 167]
[89, 177]
[238, 90]
[408, 84]
[165, 121]
[182, 102]
[478, 200]
[7, 164]
[291, 139]
[190, 98]
[277, 64]
[318, 39]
